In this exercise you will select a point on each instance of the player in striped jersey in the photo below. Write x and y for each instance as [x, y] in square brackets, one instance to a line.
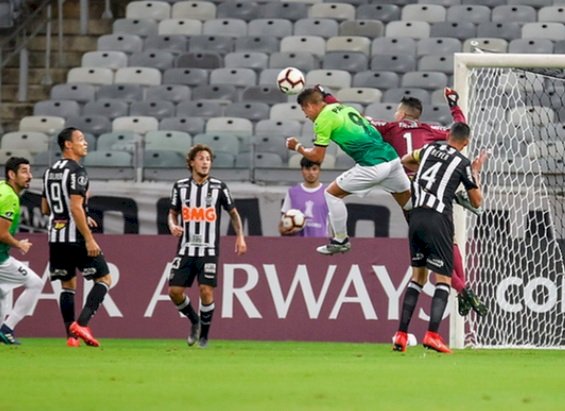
[71, 243]
[440, 168]
[194, 217]
[14, 273]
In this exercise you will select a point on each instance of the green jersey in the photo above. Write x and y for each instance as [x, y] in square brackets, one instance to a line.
[9, 210]
[353, 134]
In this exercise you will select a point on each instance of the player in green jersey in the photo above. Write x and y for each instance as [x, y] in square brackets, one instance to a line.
[14, 273]
[377, 164]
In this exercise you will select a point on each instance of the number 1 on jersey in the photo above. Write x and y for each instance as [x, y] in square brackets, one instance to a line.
[408, 138]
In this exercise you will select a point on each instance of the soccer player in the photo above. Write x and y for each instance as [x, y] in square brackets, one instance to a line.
[377, 164]
[194, 217]
[440, 168]
[307, 197]
[71, 243]
[13, 273]
[408, 133]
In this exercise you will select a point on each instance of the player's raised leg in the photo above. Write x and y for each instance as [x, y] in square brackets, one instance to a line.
[334, 196]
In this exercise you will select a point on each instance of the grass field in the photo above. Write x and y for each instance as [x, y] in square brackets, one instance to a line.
[43, 374]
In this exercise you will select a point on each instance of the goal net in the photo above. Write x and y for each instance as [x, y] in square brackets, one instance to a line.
[515, 105]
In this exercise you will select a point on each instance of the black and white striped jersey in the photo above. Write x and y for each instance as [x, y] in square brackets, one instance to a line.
[63, 179]
[199, 207]
[442, 168]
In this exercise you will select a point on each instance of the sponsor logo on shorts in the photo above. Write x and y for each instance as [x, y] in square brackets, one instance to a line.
[437, 263]
[58, 273]
[89, 272]
[210, 268]
[418, 257]
[208, 276]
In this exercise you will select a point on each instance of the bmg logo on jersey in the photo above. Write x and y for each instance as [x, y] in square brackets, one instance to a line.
[199, 214]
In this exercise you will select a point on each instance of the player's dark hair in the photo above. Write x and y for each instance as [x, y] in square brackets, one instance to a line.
[305, 163]
[412, 105]
[13, 164]
[460, 131]
[65, 135]
[194, 151]
[309, 95]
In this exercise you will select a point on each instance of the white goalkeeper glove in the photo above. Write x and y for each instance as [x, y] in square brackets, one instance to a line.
[462, 199]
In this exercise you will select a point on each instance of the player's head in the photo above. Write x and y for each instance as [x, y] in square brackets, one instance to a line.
[18, 172]
[459, 135]
[312, 102]
[410, 108]
[310, 171]
[199, 160]
[72, 143]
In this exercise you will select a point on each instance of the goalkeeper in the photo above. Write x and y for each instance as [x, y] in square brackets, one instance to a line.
[406, 134]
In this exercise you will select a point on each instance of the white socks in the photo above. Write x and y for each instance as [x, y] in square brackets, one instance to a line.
[338, 216]
[25, 301]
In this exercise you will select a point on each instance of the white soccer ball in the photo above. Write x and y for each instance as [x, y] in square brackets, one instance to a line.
[293, 219]
[290, 81]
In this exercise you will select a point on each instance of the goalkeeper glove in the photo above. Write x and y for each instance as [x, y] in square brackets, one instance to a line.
[462, 199]
[451, 96]
[328, 98]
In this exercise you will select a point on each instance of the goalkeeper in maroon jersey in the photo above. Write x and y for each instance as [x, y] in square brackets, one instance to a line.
[406, 134]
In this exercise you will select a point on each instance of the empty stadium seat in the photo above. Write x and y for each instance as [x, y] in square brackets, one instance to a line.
[540, 46]
[438, 45]
[335, 79]
[274, 27]
[394, 95]
[394, 46]
[200, 59]
[311, 44]
[336, 11]
[505, 13]
[146, 76]
[280, 127]
[137, 124]
[168, 140]
[400, 63]
[33, 141]
[199, 10]
[140, 27]
[233, 125]
[304, 61]
[345, 60]
[284, 10]
[349, 43]
[485, 44]
[6, 154]
[271, 144]
[226, 92]
[190, 125]
[118, 140]
[44, 124]
[507, 30]
[457, 29]
[215, 43]
[156, 10]
[469, 13]
[176, 43]
[429, 80]
[186, 76]
[439, 62]
[224, 160]
[202, 108]
[247, 59]
[382, 12]
[219, 142]
[237, 10]
[170, 92]
[126, 92]
[263, 44]
[184, 27]
[287, 111]
[80, 93]
[128, 43]
[362, 95]
[316, 27]
[90, 75]
[110, 108]
[423, 12]
[544, 30]
[263, 94]
[159, 59]
[92, 124]
[376, 79]
[552, 13]
[228, 27]
[152, 108]
[412, 29]
[108, 59]
[366, 28]
[253, 111]
[58, 108]
[156, 158]
[109, 165]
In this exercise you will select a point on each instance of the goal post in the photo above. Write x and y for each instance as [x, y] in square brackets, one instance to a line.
[513, 252]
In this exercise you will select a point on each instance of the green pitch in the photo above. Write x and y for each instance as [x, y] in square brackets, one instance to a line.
[43, 374]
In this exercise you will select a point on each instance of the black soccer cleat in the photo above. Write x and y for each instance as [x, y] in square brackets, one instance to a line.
[194, 334]
[477, 305]
[463, 307]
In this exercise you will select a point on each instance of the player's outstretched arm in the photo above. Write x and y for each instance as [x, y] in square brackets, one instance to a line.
[452, 98]
[315, 154]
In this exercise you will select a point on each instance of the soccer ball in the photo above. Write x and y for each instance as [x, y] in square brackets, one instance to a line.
[290, 81]
[293, 219]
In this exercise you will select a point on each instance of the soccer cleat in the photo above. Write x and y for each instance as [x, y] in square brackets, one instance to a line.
[203, 342]
[335, 247]
[434, 342]
[73, 341]
[85, 334]
[7, 336]
[462, 198]
[400, 341]
[477, 305]
[463, 306]
[194, 333]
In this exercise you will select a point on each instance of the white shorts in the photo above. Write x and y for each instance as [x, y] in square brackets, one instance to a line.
[14, 273]
[360, 180]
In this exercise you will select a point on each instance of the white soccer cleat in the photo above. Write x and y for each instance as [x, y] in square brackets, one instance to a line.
[335, 247]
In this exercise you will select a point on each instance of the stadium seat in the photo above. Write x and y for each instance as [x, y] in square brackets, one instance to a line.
[190, 125]
[264, 44]
[110, 108]
[106, 59]
[430, 13]
[438, 45]
[247, 59]
[489, 3]
[253, 111]
[400, 63]
[140, 27]
[394, 95]
[225, 92]
[266, 160]
[109, 165]
[237, 10]
[58, 108]
[263, 94]
[526, 117]
[33, 141]
[287, 111]
[382, 12]
[428, 80]
[214, 43]
[80, 93]
[168, 140]
[304, 61]
[545, 30]
[534, 3]
[145, 76]
[153, 108]
[228, 27]
[44, 159]
[460, 30]
[200, 59]
[485, 44]
[376, 79]
[363, 28]
[227, 143]
[439, 113]
[316, 27]
[155, 158]
[158, 59]
[284, 10]
[126, 92]
[127, 43]
[334, 79]
[281, 127]
[505, 13]
[268, 77]
[90, 75]
[156, 10]
[439, 62]
[362, 95]
[559, 47]
[345, 60]
[185, 76]
[44, 124]
[119, 140]
[552, 13]
[507, 30]
[412, 29]
[6, 154]
[393, 45]
[310, 44]
[469, 13]
[224, 160]
[184, 27]
[274, 27]
[540, 46]
[271, 144]
[176, 43]
[336, 11]
[349, 43]
[92, 124]
[199, 10]
[170, 92]
[202, 108]
[137, 124]
[233, 125]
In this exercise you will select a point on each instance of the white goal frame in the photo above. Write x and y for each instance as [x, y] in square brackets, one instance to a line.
[462, 63]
